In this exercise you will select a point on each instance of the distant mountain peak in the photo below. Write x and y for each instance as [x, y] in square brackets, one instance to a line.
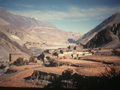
[22, 21]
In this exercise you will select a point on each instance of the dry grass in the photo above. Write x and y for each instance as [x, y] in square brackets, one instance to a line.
[94, 69]
[25, 67]
[17, 80]
[104, 58]
[91, 71]
[57, 70]
[111, 71]
[82, 62]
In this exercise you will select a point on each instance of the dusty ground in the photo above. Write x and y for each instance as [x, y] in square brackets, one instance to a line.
[25, 67]
[82, 62]
[17, 79]
[90, 71]
[115, 59]
[90, 68]
[57, 70]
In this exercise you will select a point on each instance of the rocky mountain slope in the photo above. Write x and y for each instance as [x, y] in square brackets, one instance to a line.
[13, 39]
[7, 46]
[19, 33]
[46, 32]
[108, 22]
[108, 37]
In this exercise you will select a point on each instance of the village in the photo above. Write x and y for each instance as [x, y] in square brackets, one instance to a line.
[58, 64]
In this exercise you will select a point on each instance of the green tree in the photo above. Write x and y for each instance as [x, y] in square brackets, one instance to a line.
[32, 59]
[19, 62]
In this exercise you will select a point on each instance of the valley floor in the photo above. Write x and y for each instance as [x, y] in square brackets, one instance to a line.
[38, 50]
[90, 66]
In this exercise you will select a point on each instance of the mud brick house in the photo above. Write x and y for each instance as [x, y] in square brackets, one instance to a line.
[71, 47]
[14, 57]
[49, 51]
[78, 48]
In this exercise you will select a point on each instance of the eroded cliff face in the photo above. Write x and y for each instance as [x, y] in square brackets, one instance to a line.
[8, 46]
[108, 37]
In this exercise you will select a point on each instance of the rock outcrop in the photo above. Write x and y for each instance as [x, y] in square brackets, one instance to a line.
[108, 37]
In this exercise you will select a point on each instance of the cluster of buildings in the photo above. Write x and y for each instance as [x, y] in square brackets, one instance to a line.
[71, 52]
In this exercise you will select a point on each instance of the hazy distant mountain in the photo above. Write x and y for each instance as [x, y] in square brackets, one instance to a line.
[109, 21]
[108, 37]
[47, 33]
[53, 36]
[19, 33]
[22, 21]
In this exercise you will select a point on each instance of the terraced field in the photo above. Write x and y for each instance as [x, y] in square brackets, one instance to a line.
[89, 66]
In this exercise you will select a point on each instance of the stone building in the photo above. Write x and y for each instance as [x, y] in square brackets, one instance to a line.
[14, 57]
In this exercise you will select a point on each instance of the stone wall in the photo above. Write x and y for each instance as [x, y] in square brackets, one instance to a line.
[14, 57]
[44, 75]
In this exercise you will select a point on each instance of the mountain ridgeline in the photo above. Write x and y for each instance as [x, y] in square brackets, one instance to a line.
[22, 21]
[44, 31]
[107, 22]
[18, 34]
[108, 37]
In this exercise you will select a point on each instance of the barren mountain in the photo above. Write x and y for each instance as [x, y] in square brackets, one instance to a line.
[13, 39]
[22, 21]
[52, 35]
[47, 32]
[17, 34]
[108, 22]
[108, 37]
[8, 46]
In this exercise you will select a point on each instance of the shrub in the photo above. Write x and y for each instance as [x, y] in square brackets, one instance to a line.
[115, 52]
[50, 59]
[111, 72]
[110, 78]
[26, 62]
[103, 54]
[99, 48]
[32, 59]
[19, 62]
[2, 66]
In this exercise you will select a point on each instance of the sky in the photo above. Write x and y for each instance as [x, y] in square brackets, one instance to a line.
[69, 15]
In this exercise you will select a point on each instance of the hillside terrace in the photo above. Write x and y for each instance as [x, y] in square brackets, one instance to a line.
[81, 61]
[72, 52]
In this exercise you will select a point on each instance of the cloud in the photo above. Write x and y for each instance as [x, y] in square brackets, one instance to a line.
[78, 20]
[70, 13]
[23, 5]
[92, 12]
